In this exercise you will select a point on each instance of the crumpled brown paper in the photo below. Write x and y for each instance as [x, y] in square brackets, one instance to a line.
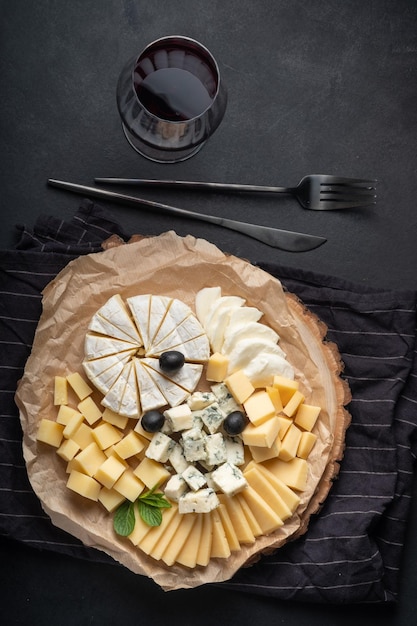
[178, 267]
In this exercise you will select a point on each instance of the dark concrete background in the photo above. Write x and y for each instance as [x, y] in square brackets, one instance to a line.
[314, 87]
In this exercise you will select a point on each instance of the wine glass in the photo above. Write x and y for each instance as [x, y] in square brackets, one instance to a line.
[171, 99]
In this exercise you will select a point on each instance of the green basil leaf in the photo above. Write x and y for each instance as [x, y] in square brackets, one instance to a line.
[124, 519]
[151, 515]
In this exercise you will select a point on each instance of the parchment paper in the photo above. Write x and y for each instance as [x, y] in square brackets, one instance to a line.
[178, 267]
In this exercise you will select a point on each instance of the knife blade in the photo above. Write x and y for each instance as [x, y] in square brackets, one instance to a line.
[287, 240]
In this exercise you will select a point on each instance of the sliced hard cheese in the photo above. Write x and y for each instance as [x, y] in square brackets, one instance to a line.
[261, 485]
[291, 499]
[220, 546]
[189, 552]
[179, 538]
[264, 514]
[204, 549]
[171, 520]
[240, 523]
[293, 473]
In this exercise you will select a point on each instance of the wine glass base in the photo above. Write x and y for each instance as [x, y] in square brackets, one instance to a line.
[159, 155]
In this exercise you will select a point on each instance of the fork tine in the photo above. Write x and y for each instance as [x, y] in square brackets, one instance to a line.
[346, 191]
[340, 180]
[331, 203]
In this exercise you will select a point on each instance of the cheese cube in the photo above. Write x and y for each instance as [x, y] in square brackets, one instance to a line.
[175, 487]
[229, 479]
[179, 417]
[114, 419]
[68, 449]
[263, 454]
[110, 499]
[60, 390]
[194, 478]
[239, 386]
[215, 449]
[293, 473]
[259, 407]
[151, 473]
[144, 433]
[235, 452]
[129, 485]
[90, 410]
[106, 435]
[263, 435]
[286, 387]
[65, 413]
[79, 385]
[217, 366]
[212, 417]
[194, 445]
[306, 444]
[109, 472]
[292, 405]
[289, 444]
[201, 501]
[50, 432]
[177, 458]
[130, 445]
[73, 425]
[275, 396]
[306, 416]
[84, 485]
[285, 423]
[224, 398]
[90, 459]
[160, 447]
[83, 436]
[200, 399]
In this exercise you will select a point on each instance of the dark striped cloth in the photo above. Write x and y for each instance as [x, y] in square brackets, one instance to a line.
[352, 551]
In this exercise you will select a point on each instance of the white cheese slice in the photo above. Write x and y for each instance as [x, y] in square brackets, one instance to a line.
[173, 393]
[113, 398]
[186, 377]
[251, 330]
[246, 350]
[115, 313]
[204, 301]
[175, 315]
[130, 403]
[103, 372]
[262, 369]
[159, 308]
[244, 315]
[140, 307]
[217, 327]
[195, 350]
[150, 395]
[96, 346]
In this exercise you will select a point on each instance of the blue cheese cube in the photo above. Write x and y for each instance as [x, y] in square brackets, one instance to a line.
[229, 479]
[177, 458]
[200, 399]
[160, 447]
[216, 449]
[225, 399]
[194, 478]
[201, 501]
[212, 417]
[179, 417]
[235, 450]
[175, 487]
[193, 442]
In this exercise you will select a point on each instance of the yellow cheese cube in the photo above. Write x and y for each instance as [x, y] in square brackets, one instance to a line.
[293, 473]
[151, 473]
[50, 432]
[142, 432]
[84, 485]
[266, 517]
[291, 499]
[217, 367]
[261, 485]
[273, 393]
[129, 485]
[285, 423]
[68, 449]
[306, 416]
[130, 445]
[289, 444]
[65, 413]
[90, 410]
[114, 419]
[259, 407]
[106, 435]
[292, 405]
[109, 472]
[263, 435]
[83, 436]
[110, 499]
[239, 386]
[91, 458]
[263, 454]
[286, 388]
[306, 444]
[73, 465]
[60, 390]
[79, 385]
[73, 425]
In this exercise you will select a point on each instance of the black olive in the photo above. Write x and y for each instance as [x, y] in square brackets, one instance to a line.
[171, 361]
[152, 421]
[235, 423]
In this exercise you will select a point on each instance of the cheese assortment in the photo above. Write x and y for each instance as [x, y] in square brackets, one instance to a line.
[229, 460]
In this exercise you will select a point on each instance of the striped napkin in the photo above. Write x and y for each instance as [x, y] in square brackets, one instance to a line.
[352, 551]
